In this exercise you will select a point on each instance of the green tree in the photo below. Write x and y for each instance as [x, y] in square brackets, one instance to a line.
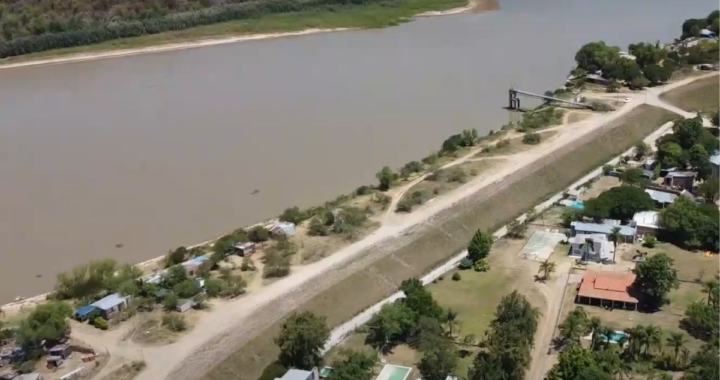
[176, 257]
[701, 320]
[546, 268]
[188, 288]
[657, 74]
[438, 363]
[357, 366]
[171, 301]
[593, 373]
[574, 326]
[293, 215]
[469, 137]
[634, 177]
[670, 155]
[390, 326]
[688, 132]
[710, 190]
[486, 366]
[676, 341]
[639, 83]
[516, 229]
[259, 234]
[596, 55]
[642, 149]
[47, 321]
[480, 245]
[712, 289]
[213, 287]
[386, 177]
[570, 363]
[690, 224]
[301, 339]
[452, 144]
[655, 278]
[647, 54]
[419, 299]
[653, 336]
[618, 203]
[174, 275]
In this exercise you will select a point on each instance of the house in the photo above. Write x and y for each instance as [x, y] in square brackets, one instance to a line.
[595, 247]
[680, 180]
[649, 164]
[111, 305]
[627, 233]
[715, 162]
[646, 223]
[244, 249]
[608, 289]
[706, 33]
[282, 228]
[84, 313]
[626, 55]
[707, 67]
[299, 374]
[192, 266]
[664, 197]
[594, 78]
[61, 350]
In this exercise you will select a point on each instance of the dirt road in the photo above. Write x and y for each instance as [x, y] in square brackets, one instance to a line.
[234, 322]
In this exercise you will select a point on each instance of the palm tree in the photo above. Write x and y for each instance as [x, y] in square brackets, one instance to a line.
[615, 237]
[589, 245]
[635, 340]
[653, 338]
[676, 341]
[597, 331]
[451, 321]
[712, 289]
[546, 267]
[684, 356]
[572, 329]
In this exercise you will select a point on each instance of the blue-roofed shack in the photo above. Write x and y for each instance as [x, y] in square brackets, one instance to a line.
[83, 313]
[627, 232]
[111, 305]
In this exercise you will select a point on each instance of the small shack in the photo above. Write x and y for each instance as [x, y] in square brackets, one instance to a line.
[184, 305]
[192, 266]
[244, 249]
[84, 313]
[680, 180]
[646, 222]
[282, 228]
[111, 306]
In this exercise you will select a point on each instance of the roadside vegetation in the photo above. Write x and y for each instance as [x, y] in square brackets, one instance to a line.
[45, 26]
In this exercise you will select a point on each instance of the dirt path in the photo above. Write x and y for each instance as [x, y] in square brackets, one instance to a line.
[232, 321]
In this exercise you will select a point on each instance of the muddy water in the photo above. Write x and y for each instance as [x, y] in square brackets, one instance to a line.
[163, 150]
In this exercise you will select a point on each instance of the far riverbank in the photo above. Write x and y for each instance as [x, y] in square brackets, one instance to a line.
[266, 27]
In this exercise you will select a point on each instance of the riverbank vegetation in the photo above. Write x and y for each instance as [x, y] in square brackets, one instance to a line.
[646, 64]
[44, 26]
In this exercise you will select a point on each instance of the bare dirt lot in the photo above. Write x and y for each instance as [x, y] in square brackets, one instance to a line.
[357, 285]
[701, 96]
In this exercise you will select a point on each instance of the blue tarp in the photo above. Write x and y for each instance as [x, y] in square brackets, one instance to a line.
[84, 311]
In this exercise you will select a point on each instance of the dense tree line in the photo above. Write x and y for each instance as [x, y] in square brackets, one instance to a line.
[49, 24]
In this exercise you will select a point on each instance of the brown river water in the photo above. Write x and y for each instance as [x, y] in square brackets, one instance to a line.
[161, 150]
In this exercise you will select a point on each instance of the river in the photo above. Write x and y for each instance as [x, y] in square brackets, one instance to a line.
[161, 150]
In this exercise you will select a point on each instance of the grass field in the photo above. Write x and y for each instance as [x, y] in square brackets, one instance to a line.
[691, 266]
[700, 96]
[375, 15]
[348, 290]
[515, 146]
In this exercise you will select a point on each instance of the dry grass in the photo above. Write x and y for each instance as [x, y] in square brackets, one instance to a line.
[347, 290]
[515, 146]
[702, 95]
[576, 116]
[126, 371]
[442, 184]
[598, 187]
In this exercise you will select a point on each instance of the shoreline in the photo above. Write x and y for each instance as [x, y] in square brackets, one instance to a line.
[473, 6]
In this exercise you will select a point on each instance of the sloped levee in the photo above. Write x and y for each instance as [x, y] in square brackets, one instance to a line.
[344, 292]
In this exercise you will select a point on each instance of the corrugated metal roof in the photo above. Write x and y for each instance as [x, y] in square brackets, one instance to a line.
[602, 228]
[84, 311]
[646, 219]
[297, 374]
[715, 160]
[607, 285]
[109, 302]
[661, 196]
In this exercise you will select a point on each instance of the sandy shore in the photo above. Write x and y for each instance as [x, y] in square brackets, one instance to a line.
[164, 48]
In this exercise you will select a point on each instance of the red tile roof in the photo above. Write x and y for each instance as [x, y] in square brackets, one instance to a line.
[612, 286]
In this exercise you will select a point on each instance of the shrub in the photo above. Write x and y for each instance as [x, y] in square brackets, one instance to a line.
[516, 230]
[363, 190]
[482, 265]
[456, 276]
[171, 301]
[293, 215]
[416, 198]
[100, 323]
[601, 107]
[531, 138]
[502, 143]
[318, 228]
[607, 169]
[431, 159]
[649, 241]
[457, 175]
[465, 263]
[174, 322]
